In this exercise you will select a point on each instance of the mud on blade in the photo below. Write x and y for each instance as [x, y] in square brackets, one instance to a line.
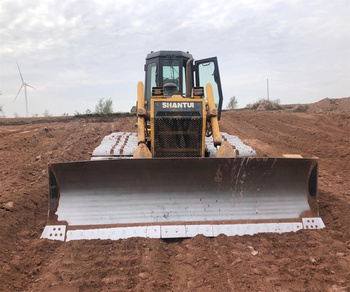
[181, 197]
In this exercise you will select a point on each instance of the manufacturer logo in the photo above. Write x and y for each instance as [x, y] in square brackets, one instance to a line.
[178, 105]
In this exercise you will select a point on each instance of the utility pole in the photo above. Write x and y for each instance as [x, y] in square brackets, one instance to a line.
[268, 95]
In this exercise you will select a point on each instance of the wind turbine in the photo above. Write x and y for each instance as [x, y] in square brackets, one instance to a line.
[25, 89]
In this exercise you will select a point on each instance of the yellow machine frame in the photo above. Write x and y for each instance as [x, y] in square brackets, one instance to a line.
[209, 114]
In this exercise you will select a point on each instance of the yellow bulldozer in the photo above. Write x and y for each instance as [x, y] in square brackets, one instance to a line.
[179, 176]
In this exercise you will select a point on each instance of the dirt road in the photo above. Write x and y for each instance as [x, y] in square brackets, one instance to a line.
[302, 261]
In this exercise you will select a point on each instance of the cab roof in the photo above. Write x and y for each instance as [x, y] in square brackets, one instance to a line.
[168, 53]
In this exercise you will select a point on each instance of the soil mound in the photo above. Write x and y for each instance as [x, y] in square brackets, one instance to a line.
[330, 104]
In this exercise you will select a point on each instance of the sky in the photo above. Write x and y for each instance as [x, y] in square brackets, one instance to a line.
[76, 52]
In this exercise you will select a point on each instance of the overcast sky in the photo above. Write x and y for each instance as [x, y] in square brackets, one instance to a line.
[76, 52]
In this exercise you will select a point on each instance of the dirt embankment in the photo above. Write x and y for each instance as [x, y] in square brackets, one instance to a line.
[302, 261]
[324, 105]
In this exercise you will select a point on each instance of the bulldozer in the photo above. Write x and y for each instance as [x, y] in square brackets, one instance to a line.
[179, 176]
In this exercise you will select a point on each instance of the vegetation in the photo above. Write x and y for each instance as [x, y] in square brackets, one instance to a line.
[104, 107]
[300, 108]
[232, 104]
[2, 114]
[46, 114]
[265, 105]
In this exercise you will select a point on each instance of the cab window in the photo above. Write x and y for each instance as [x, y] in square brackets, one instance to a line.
[151, 79]
[171, 72]
[207, 75]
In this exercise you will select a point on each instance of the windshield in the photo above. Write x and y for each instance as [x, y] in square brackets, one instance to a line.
[171, 72]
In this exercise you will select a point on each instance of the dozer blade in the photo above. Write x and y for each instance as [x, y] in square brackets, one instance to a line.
[174, 198]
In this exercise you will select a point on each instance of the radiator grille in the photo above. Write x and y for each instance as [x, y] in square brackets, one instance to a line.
[178, 136]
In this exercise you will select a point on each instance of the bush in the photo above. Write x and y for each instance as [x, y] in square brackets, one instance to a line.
[104, 107]
[300, 108]
[265, 105]
[2, 114]
[46, 114]
[232, 104]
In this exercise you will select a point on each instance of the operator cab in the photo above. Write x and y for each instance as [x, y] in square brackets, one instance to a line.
[167, 69]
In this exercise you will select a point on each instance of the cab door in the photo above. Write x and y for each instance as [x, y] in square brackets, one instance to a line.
[207, 71]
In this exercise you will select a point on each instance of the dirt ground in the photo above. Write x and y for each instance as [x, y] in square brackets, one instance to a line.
[303, 261]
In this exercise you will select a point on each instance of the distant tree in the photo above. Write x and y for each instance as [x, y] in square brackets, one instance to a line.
[232, 104]
[16, 115]
[2, 114]
[46, 113]
[104, 107]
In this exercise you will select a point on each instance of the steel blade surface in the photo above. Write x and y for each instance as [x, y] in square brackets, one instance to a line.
[179, 190]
